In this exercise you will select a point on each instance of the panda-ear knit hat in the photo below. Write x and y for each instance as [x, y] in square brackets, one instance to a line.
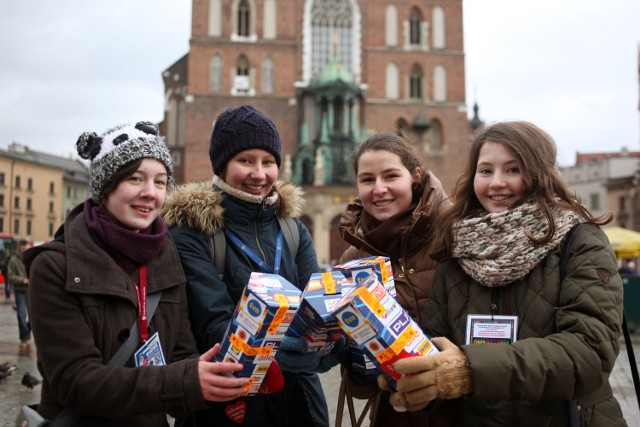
[239, 129]
[119, 146]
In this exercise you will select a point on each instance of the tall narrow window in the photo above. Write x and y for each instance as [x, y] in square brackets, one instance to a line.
[391, 26]
[415, 22]
[16, 226]
[216, 74]
[391, 81]
[415, 83]
[439, 83]
[270, 22]
[243, 18]
[439, 35]
[215, 18]
[18, 183]
[331, 33]
[242, 82]
[267, 75]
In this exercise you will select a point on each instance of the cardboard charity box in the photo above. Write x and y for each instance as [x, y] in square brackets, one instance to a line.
[313, 320]
[358, 270]
[258, 324]
[380, 327]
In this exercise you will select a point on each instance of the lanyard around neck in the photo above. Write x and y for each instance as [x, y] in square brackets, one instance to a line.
[263, 265]
[141, 294]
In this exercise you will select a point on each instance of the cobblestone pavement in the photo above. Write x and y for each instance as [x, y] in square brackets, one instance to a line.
[13, 393]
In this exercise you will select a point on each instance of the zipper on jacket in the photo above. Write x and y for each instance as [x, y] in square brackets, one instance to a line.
[263, 208]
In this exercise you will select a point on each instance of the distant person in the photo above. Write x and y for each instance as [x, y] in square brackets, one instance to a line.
[557, 339]
[629, 268]
[92, 283]
[20, 283]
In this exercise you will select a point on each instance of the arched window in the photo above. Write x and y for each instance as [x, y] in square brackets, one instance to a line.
[215, 18]
[267, 75]
[391, 81]
[391, 26]
[415, 83]
[415, 22]
[439, 83]
[215, 79]
[434, 138]
[331, 33]
[244, 17]
[242, 82]
[439, 34]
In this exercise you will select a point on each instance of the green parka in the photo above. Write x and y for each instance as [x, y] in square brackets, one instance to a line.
[567, 338]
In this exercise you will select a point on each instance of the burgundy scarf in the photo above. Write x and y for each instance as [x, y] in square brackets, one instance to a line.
[386, 236]
[128, 248]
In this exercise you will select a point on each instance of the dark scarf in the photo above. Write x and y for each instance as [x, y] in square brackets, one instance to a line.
[128, 248]
[386, 236]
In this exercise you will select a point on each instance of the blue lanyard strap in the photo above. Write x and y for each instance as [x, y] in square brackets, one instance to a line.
[263, 265]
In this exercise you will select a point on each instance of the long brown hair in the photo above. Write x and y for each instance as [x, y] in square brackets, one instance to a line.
[536, 153]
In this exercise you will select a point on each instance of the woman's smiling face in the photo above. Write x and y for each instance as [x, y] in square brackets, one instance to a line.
[498, 181]
[385, 185]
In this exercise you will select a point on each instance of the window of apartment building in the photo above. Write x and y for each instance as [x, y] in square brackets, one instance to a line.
[28, 226]
[1, 200]
[50, 207]
[594, 201]
[16, 227]
[415, 22]
[29, 204]
[50, 229]
[30, 184]
[415, 83]
[1, 178]
[215, 76]
[1, 224]
[52, 188]
[244, 17]
[622, 201]
[17, 181]
[16, 202]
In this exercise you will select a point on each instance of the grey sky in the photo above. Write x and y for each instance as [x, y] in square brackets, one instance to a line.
[72, 66]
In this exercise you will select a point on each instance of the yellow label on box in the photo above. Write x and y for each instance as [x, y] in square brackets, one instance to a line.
[247, 349]
[279, 316]
[370, 300]
[328, 283]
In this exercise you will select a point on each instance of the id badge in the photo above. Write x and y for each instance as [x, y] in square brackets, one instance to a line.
[150, 354]
[488, 329]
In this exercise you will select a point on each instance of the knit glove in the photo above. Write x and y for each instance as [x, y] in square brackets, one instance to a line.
[444, 375]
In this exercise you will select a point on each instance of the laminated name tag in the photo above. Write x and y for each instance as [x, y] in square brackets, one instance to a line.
[489, 329]
[150, 353]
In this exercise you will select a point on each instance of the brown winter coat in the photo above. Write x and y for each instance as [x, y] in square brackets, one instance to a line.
[82, 306]
[567, 343]
[413, 272]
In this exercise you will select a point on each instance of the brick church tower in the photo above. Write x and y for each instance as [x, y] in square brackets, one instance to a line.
[328, 73]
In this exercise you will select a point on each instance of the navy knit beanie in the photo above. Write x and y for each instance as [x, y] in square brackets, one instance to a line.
[239, 129]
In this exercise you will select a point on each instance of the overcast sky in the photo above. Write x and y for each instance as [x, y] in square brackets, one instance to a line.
[70, 66]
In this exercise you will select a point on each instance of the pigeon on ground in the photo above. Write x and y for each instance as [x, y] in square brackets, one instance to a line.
[5, 367]
[4, 375]
[29, 380]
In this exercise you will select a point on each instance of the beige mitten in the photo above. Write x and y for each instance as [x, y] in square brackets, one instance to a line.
[444, 375]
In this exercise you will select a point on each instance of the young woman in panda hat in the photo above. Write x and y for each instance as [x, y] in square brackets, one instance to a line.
[89, 286]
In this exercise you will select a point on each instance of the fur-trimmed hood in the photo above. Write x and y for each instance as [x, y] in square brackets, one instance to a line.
[198, 205]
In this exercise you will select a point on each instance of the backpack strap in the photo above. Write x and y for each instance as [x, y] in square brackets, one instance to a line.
[218, 243]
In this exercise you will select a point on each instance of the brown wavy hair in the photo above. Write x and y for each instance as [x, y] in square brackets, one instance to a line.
[536, 153]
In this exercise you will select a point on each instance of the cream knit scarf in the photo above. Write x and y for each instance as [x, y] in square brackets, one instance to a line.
[494, 248]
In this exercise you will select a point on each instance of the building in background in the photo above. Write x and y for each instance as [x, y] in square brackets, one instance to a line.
[608, 181]
[329, 73]
[37, 190]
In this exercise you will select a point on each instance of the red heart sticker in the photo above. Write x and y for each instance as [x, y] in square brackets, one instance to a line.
[236, 411]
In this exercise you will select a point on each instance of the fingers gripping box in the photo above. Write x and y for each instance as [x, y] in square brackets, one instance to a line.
[258, 324]
[380, 327]
[357, 270]
[313, 320]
